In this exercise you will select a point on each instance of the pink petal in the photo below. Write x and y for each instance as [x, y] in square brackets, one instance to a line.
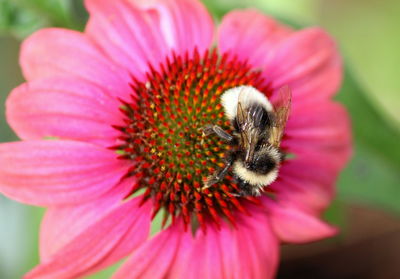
[183, 252]
[250, 35]
[263, 260]
[295, 226]
[65, 108]
[62, 224]
[197, 259]
[318, 134]
[248, 251]
[185, 24]
[308, 181]
[135, 33]
[60, 52]
[322, 126]
[103, 243]
[307, 61]
[153, 259]
[309, 196]
[205, 259]
[56, 172]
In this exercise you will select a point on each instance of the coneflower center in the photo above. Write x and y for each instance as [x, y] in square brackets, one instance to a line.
[163, 135]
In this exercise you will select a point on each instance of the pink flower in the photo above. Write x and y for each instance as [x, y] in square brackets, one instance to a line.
[123, 103]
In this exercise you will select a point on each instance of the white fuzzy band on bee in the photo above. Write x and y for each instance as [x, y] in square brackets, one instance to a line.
[247, 95]
[253, 178]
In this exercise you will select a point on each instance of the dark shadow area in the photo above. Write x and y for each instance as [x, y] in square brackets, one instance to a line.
[369, 249]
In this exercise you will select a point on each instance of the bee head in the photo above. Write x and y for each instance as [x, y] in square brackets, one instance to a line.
[263, 160]
[261, 163]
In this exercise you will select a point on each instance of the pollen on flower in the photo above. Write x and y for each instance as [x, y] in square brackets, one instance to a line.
[163, 135]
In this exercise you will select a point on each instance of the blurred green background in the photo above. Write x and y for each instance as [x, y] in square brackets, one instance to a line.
[367, 207]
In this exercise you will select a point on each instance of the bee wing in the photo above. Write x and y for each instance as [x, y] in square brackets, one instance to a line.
[241, 123]
[246, 119]
[282, 105]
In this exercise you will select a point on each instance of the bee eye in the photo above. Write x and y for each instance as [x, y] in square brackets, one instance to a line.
[261, 165]
[258, 146]
[253, 166]
[260, 142]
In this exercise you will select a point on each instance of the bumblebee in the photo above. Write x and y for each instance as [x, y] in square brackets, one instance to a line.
[255, 156]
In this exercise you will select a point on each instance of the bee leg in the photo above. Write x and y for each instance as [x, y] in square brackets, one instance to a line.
[220, 174]
[216, 177]
[215, 129]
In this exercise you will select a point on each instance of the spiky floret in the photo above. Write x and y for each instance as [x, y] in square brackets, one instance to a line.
[162, 135]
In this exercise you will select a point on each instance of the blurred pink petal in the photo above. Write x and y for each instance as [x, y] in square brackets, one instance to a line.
[62, 172]
[295, 226]
[321, 146]
[251, 36]
[310, 196]
[330, 131]
[65, 108]
[307, 61]
[60, 52]
[103, 243]
[136, 33]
